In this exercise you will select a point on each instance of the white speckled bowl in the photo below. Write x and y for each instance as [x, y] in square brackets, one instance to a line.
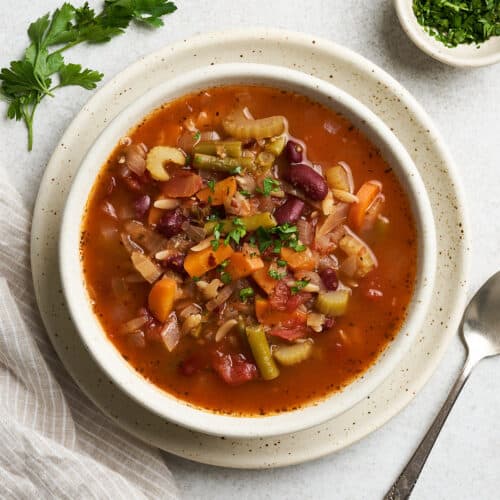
[165, 404]
[465, 55]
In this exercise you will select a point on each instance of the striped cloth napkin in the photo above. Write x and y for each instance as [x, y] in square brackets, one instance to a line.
[54, 443]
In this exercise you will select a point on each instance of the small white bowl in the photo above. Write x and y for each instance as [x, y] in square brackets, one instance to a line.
[464, 55]
[166, 405]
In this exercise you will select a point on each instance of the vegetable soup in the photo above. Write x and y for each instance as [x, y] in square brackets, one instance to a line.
[248, 250]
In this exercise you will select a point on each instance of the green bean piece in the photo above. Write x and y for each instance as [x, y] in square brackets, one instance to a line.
[250, 223]
[219, 148]
[227, 164]
[276, 145]
[261, 352]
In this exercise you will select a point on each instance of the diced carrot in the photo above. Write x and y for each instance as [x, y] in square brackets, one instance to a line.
[222, 191]
[154, 215]
[268, 316]
[161, 298]
[366, 195]
[262, 278]
[298, 261]
[182, 185]
[197, 264]
[242, 265]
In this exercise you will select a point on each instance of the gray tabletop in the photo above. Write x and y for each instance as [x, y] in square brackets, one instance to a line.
[465, 104]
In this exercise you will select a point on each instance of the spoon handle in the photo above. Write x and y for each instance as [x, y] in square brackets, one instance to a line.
[404, 484]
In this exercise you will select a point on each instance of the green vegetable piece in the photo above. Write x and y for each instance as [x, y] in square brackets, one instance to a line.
[219, 148]
[276, 145]
[261, 352]
[227, 164]
[293, 354]
[333, 303]
[246, 293]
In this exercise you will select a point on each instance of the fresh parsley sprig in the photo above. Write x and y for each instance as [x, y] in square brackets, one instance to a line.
[27, 81]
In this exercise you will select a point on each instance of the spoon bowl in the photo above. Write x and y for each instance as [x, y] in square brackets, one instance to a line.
[481, 322]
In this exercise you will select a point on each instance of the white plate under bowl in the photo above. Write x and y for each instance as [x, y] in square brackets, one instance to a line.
[464, 55]
[379, 92]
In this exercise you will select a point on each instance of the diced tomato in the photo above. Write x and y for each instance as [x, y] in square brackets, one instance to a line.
[280, 296]
[234, 369]
[182, 185]
[289, 334]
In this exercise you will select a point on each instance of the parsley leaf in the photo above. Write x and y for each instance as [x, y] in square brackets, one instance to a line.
[246, 293]
[215, 242]
[235, 170]
[298, 286]
[211, 185]
[268, 185]
[27, 81]
[275, 274]
[225, 278]
[238, 231]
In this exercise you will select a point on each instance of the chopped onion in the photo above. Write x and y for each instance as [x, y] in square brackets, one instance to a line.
[146, 267]
[109, 209]
[129, 244]
[305, 230]
[194, 233]
[188, 140]
[209, 135]
[223, 295]
[225, 329]
[170, 333]
[148, 239]
[333, 220]
[209, 290]
[134, 324]
[137, 339]
[135, 158]
[190, 309]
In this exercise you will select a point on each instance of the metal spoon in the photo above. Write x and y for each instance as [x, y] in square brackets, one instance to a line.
[480, 329]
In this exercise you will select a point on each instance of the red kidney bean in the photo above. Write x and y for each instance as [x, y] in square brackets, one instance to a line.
[329, 322]
[290, 211]
[329, 278]
[294, 152]
[170, 223]
[305, 178]
[142, 205]
[176, 263]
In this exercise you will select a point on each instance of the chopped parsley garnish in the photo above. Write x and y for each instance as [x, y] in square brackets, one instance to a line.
[216, 234]
[238, 232]
[298, 286]
[246, 193]
[211, 185]
[281, 263]
[28, 81]
[212, 217]
[268, 185]
[275, 275]
[235, 170]
[197, 136]
[453, 22]
[246, 293]
[196, 278]
[225, 277]
[224, 264]
[284, 235]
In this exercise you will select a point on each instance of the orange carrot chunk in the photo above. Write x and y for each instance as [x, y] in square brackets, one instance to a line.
[241, 265]
[262, 278]
[161, 298]
[366, 195]
[197, 264]
[221, 192]
[268, 316]
[299, 261]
